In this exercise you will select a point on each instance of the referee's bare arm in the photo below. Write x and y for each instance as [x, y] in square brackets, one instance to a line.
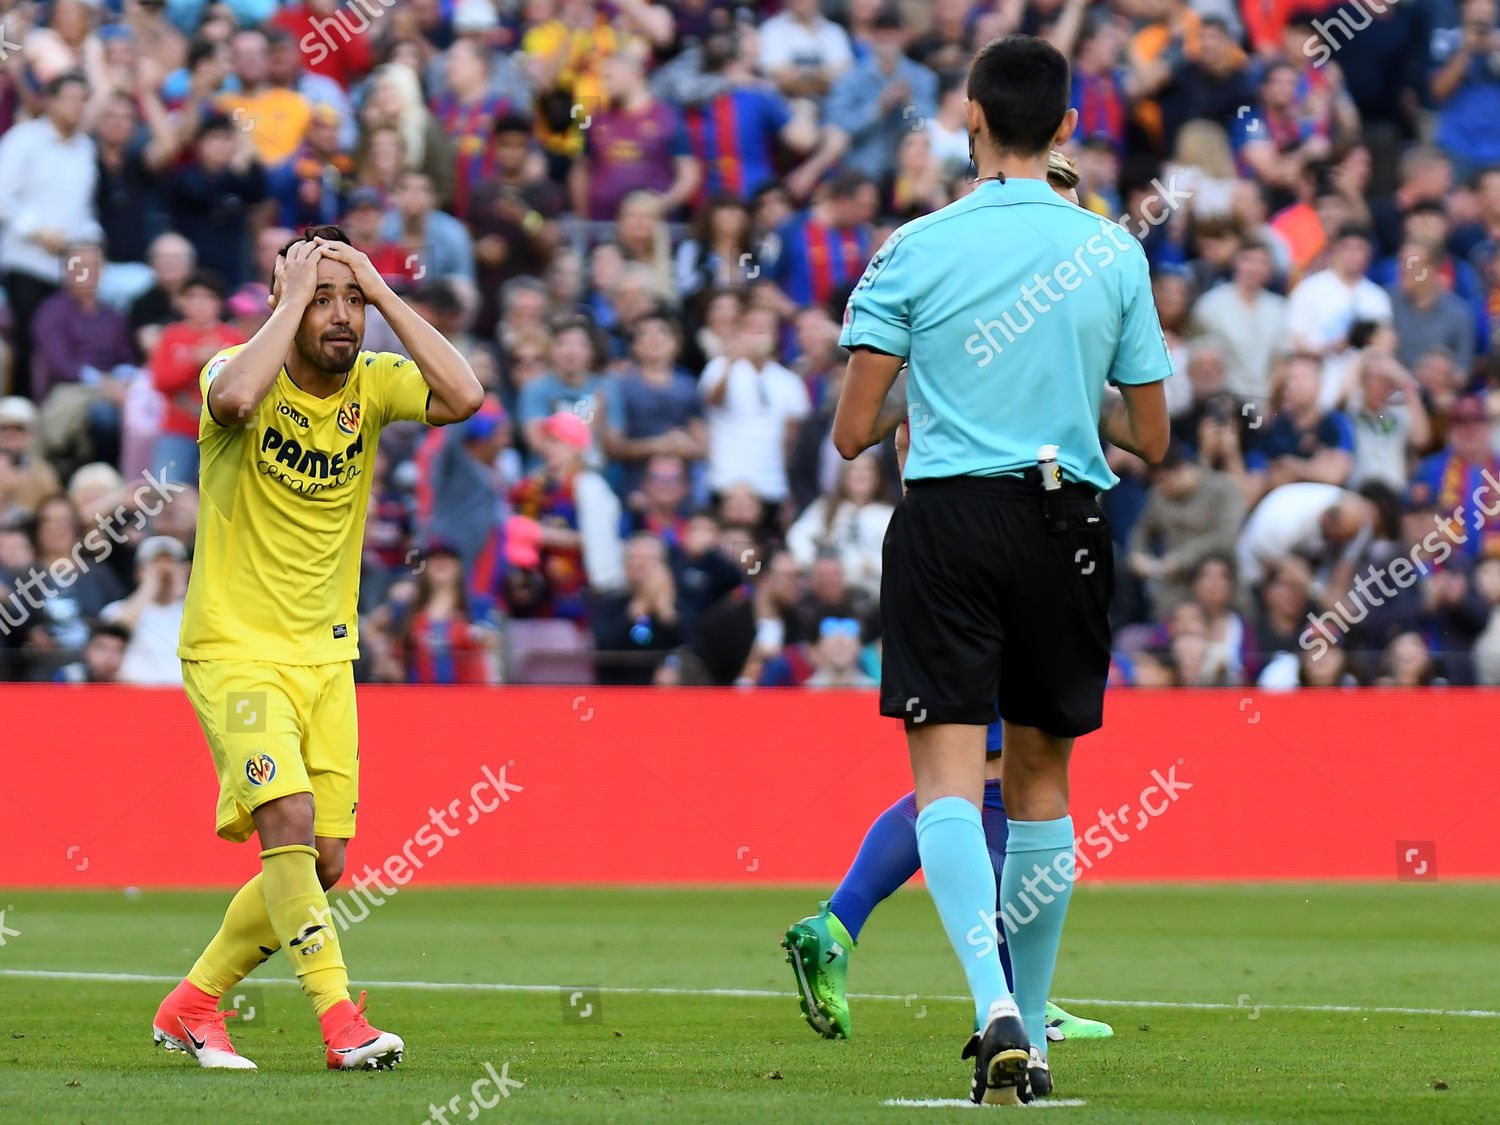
[1137, 421]
[867, 410]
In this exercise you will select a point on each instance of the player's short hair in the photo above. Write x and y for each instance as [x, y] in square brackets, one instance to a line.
[329, 232]
[1061, 172]
[1022, 84]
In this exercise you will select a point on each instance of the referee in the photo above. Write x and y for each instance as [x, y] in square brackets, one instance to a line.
[1011, 308]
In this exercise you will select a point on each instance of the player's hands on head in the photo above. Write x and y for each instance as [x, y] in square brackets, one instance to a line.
[366, 276]
[296, 277]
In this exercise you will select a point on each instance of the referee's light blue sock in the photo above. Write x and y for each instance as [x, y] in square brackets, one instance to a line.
[956, 863]
[1035, 887]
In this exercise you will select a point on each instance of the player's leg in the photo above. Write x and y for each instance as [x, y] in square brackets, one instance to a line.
[331, 751]
[248, 724]
[818, 946]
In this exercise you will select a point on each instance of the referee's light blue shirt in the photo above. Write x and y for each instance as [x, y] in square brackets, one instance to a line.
[1012, 307]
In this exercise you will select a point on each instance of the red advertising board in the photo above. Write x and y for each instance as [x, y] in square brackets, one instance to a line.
[112, 786]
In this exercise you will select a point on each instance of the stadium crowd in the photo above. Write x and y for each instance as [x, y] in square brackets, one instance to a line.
[640, 220]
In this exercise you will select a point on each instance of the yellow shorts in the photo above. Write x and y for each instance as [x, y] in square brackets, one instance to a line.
[278, 729]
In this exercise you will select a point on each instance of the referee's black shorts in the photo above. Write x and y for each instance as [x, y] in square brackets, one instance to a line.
[981, 602]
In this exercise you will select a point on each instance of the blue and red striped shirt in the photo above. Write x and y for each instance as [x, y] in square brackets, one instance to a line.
[471, 128]
[817, 262]
[734, 135]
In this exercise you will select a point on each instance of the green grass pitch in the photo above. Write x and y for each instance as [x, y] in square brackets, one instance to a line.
[1230, 1004]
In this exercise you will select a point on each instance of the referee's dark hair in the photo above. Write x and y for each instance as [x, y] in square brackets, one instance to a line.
[1022, 85]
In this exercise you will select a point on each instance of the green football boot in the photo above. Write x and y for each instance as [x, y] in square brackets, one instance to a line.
[818, 950]
[1061, 1026]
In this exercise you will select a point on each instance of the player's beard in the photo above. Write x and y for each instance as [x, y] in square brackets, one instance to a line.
[325, 353]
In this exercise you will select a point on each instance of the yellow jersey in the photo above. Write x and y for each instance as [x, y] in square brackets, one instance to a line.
[281, 515]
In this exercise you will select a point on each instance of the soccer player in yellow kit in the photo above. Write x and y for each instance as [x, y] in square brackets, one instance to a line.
[287, 437]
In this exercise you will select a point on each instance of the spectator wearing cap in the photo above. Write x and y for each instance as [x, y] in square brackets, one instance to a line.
[436, 245]
[1425, 313]
[48, 173]
[579, 517]
[653, 408]
[29, 477]
[574, 384]
[634, 142]
[248, 308]
[102, 656]
[640, 623]
[1192, 512]
[802, 51]
[1300, 441]
[1458, 481]
[209, 198]
[437, 641]
[312, 188]
[270, 115]
[753, 405]
[1324, 305]
[824, 249]
[1248, 320]
[880, 98]
[153, 613]
[181, 353]
[83, 363]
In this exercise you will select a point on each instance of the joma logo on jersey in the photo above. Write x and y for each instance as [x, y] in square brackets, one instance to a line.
[349, 418]
[295, 415]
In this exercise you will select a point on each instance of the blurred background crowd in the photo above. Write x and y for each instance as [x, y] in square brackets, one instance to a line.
[640, 220]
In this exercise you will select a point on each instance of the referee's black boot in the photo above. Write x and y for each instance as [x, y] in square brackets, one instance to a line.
[1038, 1076]
[1001, 1054]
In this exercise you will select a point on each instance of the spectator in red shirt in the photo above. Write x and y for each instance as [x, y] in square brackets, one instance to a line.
[181, 352]
[331, 37]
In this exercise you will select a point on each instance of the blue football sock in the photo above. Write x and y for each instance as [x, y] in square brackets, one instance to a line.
[996, 832]
[955, 860]
[1034, 891]
[887, 859]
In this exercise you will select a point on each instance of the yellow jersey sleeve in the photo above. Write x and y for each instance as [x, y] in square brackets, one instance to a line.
[400, 392]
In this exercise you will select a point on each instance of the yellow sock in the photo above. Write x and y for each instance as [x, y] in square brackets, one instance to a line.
[299, 912]
[244, 940]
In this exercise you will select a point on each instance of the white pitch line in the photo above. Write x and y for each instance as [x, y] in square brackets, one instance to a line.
[965, 1103]
[766, 993]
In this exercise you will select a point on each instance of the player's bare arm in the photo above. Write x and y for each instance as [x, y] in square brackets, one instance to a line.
[456, 392]
[236, 392]
[867, 410]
